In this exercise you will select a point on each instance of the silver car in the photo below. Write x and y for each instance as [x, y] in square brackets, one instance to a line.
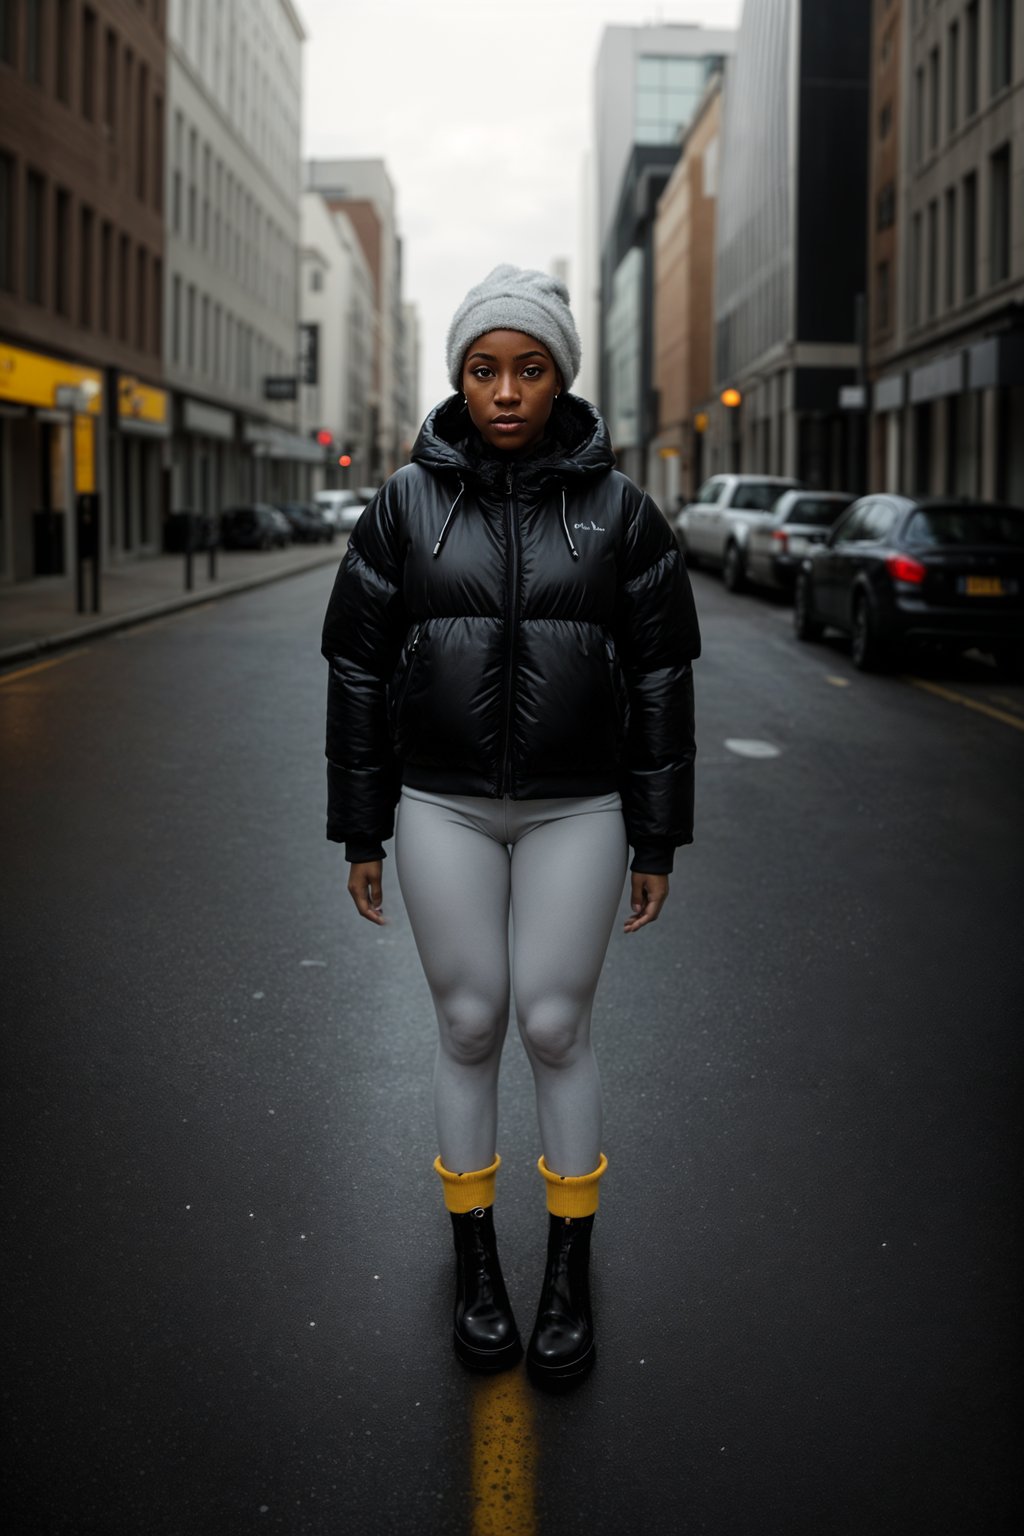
[713, 530]
[342, 509]
[777, 545]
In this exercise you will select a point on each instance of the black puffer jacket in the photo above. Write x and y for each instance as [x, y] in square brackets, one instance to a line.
[519, 626]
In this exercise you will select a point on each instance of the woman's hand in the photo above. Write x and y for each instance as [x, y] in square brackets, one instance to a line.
[364, 886]
[648, 896]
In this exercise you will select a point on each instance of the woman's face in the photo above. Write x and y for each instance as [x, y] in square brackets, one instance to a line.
[510, 382]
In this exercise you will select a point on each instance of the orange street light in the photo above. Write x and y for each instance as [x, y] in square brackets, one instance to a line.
[731, 398]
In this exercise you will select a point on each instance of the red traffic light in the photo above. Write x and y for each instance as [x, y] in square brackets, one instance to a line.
[324, 438]
[345, 460]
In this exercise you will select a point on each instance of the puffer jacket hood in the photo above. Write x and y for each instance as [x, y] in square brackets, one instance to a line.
[512, 624]
[575, 445]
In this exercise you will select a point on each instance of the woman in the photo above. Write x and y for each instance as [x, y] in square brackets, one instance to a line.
[510, 637]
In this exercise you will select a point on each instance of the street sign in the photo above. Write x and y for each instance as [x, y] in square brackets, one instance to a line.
[283, 387]
[309, 354]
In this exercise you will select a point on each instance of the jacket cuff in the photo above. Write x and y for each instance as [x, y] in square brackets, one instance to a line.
[653, 859]
[363, 853]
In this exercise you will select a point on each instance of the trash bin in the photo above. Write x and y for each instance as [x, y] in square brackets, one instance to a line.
[48, 543]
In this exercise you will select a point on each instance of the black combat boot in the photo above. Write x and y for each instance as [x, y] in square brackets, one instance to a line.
[486, 1336]
[561, 1351]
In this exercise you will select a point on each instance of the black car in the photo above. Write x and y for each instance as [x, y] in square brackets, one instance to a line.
[255, 526]
[895, 569]
[308, 524]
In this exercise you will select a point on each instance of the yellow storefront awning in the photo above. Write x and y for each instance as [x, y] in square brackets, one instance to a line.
[142, 407]
[32, 378]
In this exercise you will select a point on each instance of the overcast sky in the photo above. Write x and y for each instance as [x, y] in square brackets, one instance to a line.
[482, 110]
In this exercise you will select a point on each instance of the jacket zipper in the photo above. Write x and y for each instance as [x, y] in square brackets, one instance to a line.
[512, 621]
[414, 644]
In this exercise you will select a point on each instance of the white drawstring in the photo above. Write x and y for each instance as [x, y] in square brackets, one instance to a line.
[451, 514]
[565, 524]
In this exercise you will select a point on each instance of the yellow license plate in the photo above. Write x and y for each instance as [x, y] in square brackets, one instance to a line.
[984, 586]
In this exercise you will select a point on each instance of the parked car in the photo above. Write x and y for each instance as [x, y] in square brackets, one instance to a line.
[367, 492]
[342, 508]
[776, 545]
[253, 526]
[307, 521]
[714, 528]
[895, 569]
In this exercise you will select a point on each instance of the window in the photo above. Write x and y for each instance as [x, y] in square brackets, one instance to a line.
[35, 228]
[883, 302]
[204, 336]
[176, 319]
[158, 153]
[933, 258]
[34, 41]
[123, 275]
[667, 93]
[877, 521]
[999, 214]
[6, 223]
[86, 265]
[953, 78]
[62, 253]
[190, 328]
[141, 147]
[110, 82]
[711, 491]
[950, 257]
[140, 299]
[973, 59]
[853, 528]
[914, 271]
[970, 226]
[885, 206]
[88, 64]
[63, 42]
[7, 34]
[919, 115]
[158, 301]
[316, 280]
[885, 121]
[1001, 66]
[933, 99]
[106, 277]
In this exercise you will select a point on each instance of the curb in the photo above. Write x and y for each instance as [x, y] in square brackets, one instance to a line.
[26, 650]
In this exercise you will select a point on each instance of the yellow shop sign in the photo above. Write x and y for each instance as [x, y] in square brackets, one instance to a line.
[141, 402]
[30, 378]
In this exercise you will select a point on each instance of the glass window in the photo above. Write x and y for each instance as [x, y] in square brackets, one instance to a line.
[878, 521]
[953, 78]
[7, 37]
[930, 526]
[1002, 44]
[62, 253]
[933, 258]
[756, 495]
[35, 194]
[970, 218]
[950, 290]
[933, 98]
[816, 511]
[852, 530]
[62, 45]
[6, 222]
[34, 41]
[106, 276]
[999, 213]
[88, 63]
[973, 57]
[710, 491]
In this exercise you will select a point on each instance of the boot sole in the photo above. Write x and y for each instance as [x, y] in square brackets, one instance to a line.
[487, 1361]
[559, 1378]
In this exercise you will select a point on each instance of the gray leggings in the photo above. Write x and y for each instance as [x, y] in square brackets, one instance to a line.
[561, 864]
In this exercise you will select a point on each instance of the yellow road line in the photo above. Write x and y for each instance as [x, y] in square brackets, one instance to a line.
[504, 1457]
[41, 666]
[962, 698]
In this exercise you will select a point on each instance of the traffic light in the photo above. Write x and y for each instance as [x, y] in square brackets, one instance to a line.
[345, 460]
[324, 438]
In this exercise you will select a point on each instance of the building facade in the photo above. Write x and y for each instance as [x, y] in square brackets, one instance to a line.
[791, 249]
[362, 190]
[684, 288]
[83, 410]
[947, 319]
[231, 300]
[339, 325]
[648, 83]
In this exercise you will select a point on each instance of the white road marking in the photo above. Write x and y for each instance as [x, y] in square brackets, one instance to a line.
[744, 748]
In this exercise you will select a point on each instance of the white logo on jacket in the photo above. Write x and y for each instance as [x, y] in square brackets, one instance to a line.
[587, 528]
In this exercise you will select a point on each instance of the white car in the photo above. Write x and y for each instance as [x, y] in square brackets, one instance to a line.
[343, 509]
[714, 528]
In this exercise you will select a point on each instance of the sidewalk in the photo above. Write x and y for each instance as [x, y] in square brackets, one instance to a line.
[39, 616]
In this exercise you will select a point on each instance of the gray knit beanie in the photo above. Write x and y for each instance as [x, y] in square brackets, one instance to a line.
[516, 299]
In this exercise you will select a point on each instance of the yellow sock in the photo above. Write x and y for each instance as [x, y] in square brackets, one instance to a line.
[466, 1191]
[572, 1195]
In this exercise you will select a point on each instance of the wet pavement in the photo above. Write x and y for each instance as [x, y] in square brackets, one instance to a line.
[227, 1264]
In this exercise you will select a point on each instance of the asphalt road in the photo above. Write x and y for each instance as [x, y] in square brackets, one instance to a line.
[227, 1265]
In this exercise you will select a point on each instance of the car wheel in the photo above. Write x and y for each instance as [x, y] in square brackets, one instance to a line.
[733, 572]
[866, 646]
[805, 625]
